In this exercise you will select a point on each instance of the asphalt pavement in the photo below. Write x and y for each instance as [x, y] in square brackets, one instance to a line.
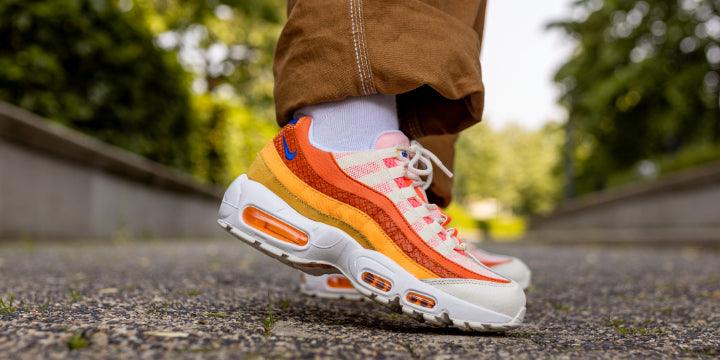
[221, 299]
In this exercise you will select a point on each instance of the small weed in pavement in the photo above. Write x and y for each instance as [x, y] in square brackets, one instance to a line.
[45, 306]
[78, 341]
[284, 304]
[192, 292]
[28, 243]
[396, 317]
[521, 334]
[269, 321]
[665, 310]
[6, 306]
[410, 349]
[624, 329]
[268, 324]
[75, 296]
[560, 307]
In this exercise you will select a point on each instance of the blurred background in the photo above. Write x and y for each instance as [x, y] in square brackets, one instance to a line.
[592, 105]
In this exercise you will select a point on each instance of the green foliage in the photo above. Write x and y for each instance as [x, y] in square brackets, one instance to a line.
[625, 328]
[268, 322]
[642, 82]
[688, 157]
[227, 47]
[284, 304]
[513, 165]
[185, 83]
[90, 66]
[507, 227]
[6, 306]
[75, 296]
[461, 219]
[78, 341]
[229, 138]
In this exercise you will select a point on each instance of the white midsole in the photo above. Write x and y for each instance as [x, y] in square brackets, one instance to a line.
[331, 246]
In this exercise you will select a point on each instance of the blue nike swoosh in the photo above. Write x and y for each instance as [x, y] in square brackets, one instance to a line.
[288, 154]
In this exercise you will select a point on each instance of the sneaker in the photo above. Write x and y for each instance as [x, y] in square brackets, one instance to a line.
[364, 215]
[333, 286]
[507, 266]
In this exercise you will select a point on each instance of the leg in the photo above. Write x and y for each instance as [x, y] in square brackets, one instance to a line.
[358, 206]
[425, 52]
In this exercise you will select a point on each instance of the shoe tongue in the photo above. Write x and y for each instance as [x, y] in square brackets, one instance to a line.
[391, 138]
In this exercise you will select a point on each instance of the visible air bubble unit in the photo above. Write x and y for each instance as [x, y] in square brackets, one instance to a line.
[376, 281]
[339, 282]
[420, 300]
[270, 225]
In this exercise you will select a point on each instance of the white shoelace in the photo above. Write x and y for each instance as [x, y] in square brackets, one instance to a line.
[415, 156]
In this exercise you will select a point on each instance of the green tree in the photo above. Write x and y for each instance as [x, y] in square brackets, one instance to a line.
[642, 82]
[88, 65]
[227, 47]
[187, 83]
[513, 165]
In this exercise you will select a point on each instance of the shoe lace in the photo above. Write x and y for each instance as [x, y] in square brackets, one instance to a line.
[418, 162]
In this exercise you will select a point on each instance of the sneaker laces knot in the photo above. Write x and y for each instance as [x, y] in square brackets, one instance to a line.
[419, 169]
[420, 164]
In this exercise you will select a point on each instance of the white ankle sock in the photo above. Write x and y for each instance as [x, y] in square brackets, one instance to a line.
[352, 124]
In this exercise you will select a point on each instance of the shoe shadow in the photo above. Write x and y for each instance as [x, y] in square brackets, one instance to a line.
[367, 315]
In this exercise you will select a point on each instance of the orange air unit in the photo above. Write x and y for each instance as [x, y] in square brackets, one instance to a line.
[420, 300]
[376, 281]
[270, 225]
[339, 282]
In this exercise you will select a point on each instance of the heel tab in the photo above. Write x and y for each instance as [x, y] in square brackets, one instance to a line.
[231, 198]
[233, 192]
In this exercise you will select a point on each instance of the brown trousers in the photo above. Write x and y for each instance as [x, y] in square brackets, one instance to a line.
[427, 52]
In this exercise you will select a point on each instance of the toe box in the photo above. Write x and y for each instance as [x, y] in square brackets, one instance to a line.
[504, 298]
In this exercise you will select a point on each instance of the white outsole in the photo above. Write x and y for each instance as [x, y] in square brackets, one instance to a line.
[331, 251]
[326, 293]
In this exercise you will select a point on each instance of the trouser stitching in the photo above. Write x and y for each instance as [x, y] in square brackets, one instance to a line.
[358, 62]
[363, 46]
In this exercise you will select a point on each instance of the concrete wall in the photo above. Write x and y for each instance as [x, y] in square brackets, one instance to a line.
[57, 183]
[682, 207]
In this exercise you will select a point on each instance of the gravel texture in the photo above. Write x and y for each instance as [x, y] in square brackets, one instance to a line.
[221, 299]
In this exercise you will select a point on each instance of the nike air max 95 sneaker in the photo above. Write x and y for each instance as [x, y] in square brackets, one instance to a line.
[336, 287]
[364, 215]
